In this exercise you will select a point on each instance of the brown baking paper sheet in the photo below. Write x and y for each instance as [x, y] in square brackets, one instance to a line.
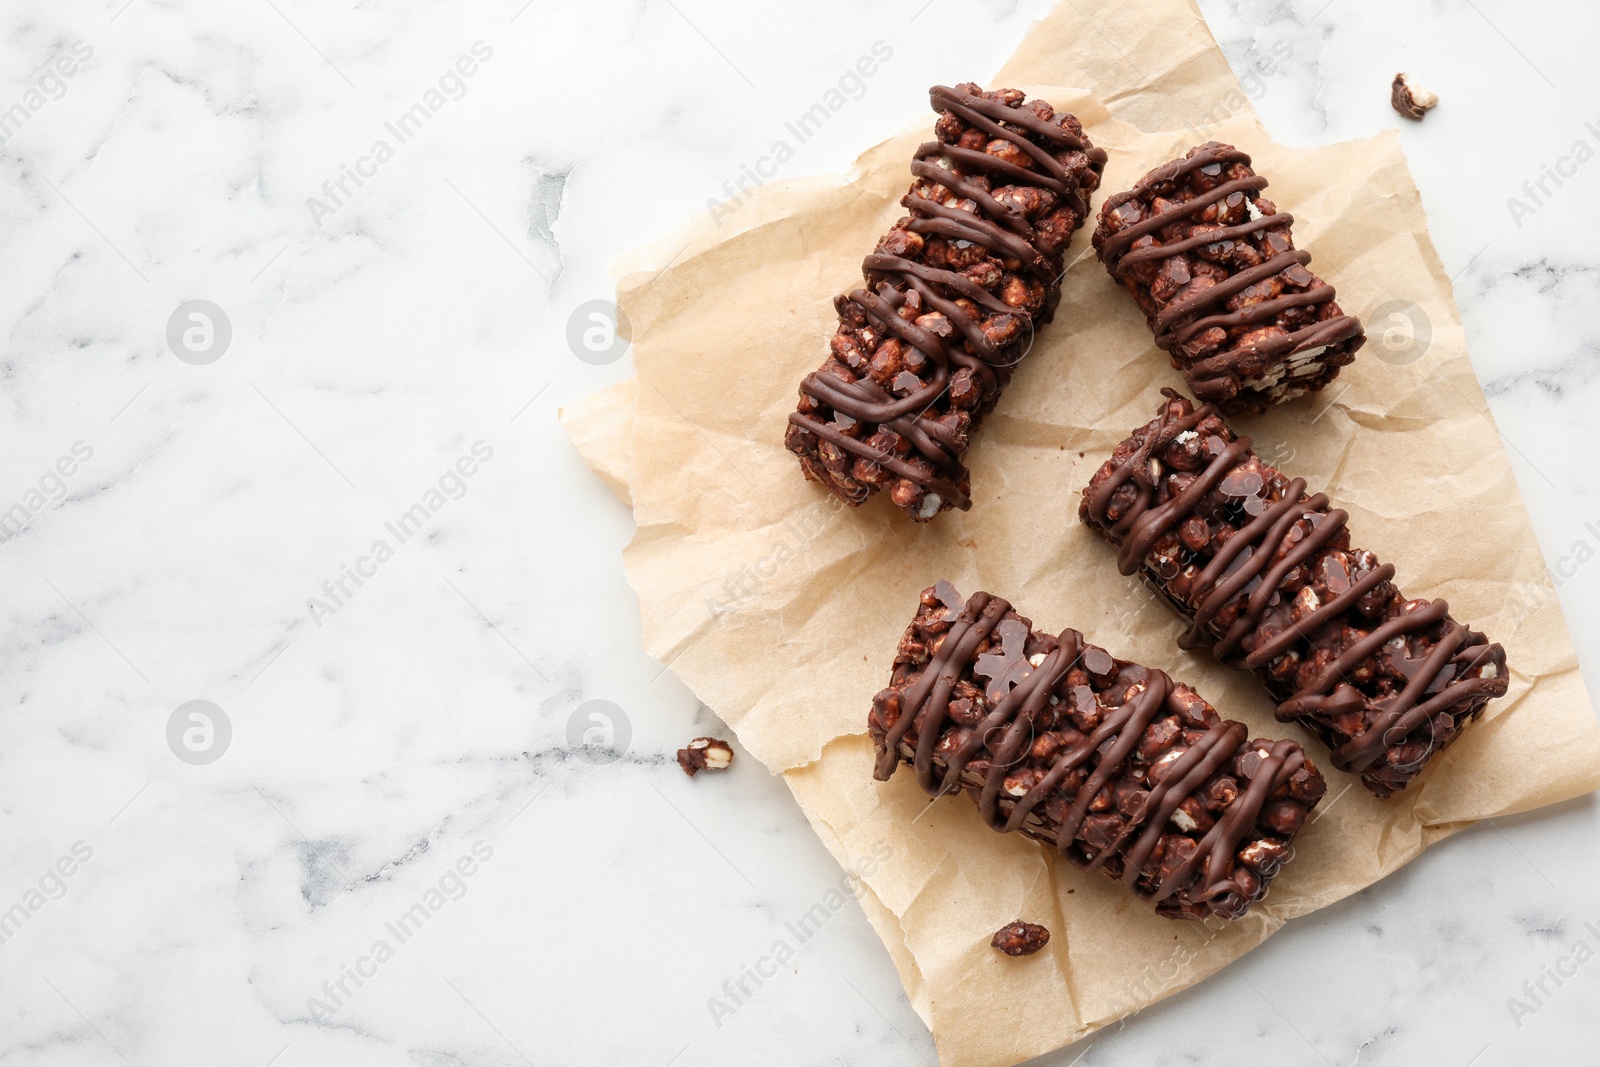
[781, 608]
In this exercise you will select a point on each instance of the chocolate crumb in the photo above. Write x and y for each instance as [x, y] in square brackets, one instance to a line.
[1020, 938]
[1409, 100]
[705, 754]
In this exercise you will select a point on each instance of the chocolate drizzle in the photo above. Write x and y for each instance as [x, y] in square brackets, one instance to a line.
[1241, 581]
[1217, 377]
[981, 332]
[1020, 695]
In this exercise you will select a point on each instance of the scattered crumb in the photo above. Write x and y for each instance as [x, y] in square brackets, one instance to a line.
[1410, 100]
[705, 754]
[1020, 938]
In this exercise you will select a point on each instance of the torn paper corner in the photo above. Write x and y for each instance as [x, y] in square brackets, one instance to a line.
[598, 425]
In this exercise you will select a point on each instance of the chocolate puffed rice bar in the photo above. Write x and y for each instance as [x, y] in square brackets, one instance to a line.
[1113, 764]
[953, 295]
[1267, 576]
[1213, 266]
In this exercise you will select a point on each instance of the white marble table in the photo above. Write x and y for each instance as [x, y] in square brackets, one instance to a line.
[397, 857]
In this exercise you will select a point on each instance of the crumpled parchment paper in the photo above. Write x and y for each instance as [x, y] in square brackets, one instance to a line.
[781, 608]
